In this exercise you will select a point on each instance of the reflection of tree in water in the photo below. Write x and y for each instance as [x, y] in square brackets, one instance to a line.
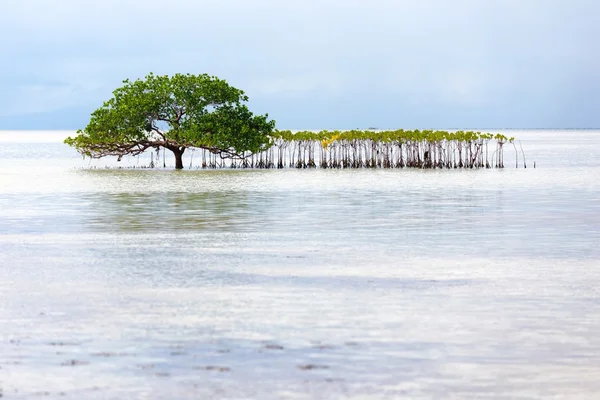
[166, 211]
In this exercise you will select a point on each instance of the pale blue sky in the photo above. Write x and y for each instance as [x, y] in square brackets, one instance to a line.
[313, 64]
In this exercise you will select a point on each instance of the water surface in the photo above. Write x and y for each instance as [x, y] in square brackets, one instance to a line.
[138, 283]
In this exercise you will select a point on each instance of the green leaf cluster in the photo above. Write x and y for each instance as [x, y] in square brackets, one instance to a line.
[388, 136]
[174, 112]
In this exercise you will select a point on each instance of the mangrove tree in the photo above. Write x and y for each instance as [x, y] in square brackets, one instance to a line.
[175, 113]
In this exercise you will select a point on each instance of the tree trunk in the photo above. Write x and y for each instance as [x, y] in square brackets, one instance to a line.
[178, 152]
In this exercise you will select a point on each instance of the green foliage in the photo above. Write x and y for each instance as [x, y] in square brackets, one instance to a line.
[396, 136]
[176, 113]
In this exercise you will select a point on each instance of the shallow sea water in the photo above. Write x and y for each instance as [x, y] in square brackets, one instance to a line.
[310, 284]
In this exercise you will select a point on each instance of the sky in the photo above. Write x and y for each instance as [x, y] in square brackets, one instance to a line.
[313, 64]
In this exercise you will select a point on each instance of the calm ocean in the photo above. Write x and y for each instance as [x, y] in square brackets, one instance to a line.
[417, 284]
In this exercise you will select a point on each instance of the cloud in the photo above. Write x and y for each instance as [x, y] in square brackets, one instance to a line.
[30, 98]
[507, 62]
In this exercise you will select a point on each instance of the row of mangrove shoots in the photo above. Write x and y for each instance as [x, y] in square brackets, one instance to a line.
[425, 149]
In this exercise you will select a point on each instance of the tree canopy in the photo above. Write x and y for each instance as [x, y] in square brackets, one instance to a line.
[176, 113]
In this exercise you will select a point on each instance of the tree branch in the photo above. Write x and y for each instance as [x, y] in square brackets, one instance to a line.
[155, 129]
[98, 150]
